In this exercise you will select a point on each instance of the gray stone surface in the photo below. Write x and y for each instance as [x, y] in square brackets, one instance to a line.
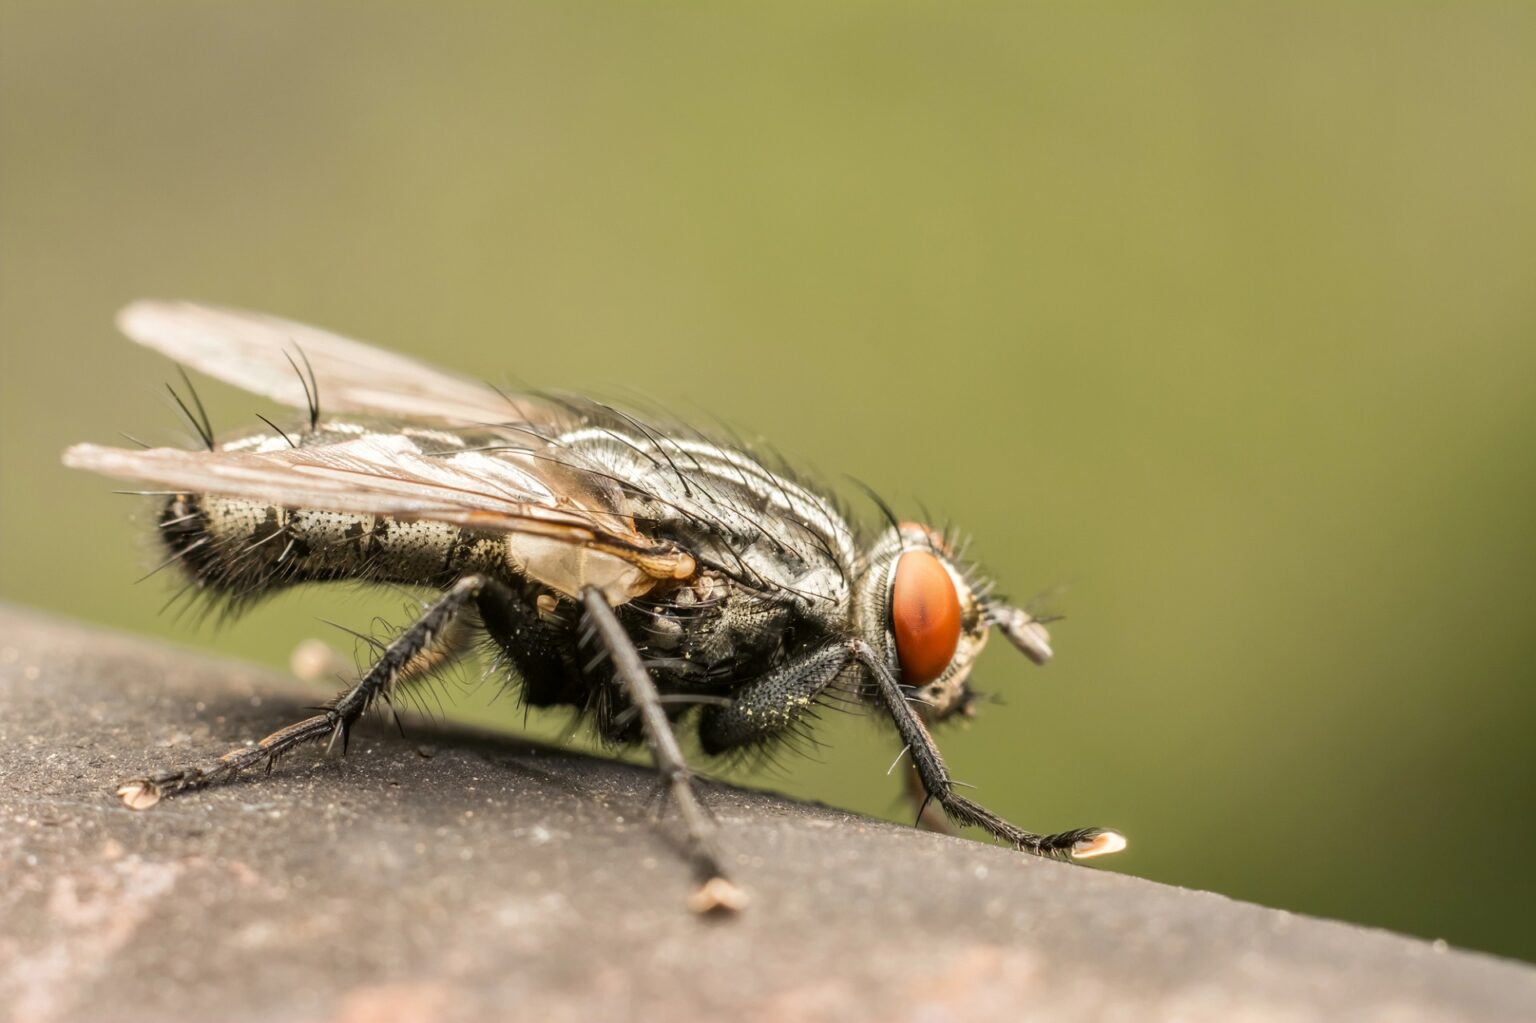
[484, 879]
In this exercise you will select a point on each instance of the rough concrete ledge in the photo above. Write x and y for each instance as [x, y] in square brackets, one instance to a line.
[493, 880]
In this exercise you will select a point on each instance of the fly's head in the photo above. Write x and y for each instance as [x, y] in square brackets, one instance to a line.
[919, 607]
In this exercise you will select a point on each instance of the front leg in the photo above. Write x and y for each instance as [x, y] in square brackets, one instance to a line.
[772, 704]
[929, 763]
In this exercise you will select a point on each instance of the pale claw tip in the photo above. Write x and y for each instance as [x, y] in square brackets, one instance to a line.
[717, 895]
[1102, 844]
[138, 795]
[1027, 634]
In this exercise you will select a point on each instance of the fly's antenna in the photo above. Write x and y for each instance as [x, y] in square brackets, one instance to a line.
[200, 423]
[309, 383]
[1023, 630]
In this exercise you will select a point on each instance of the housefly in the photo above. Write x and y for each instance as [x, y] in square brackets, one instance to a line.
[652, 579]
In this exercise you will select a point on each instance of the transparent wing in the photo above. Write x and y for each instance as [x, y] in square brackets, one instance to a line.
[565, 526]
[261, 354]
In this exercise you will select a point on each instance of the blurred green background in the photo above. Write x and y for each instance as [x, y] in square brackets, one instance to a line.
[1220, 319]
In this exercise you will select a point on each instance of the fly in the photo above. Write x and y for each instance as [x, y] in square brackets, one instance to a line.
[652, 579]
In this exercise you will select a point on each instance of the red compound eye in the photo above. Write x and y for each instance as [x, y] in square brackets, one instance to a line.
[925, 615]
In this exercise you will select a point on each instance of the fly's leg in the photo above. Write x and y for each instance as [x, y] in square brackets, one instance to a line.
[415, 651]
[928, 816]
[773, 703]
[314, 659]
[929, 763]
[715, 891]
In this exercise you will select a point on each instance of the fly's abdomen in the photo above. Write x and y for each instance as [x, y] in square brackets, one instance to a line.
[244, 547]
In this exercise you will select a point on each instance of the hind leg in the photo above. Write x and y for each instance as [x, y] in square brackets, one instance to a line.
[416, 651]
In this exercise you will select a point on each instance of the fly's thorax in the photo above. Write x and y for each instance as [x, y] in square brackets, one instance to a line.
[916, 606]
[729, 509]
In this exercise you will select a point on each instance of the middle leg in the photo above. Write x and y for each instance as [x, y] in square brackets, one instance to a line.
[715, 891]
